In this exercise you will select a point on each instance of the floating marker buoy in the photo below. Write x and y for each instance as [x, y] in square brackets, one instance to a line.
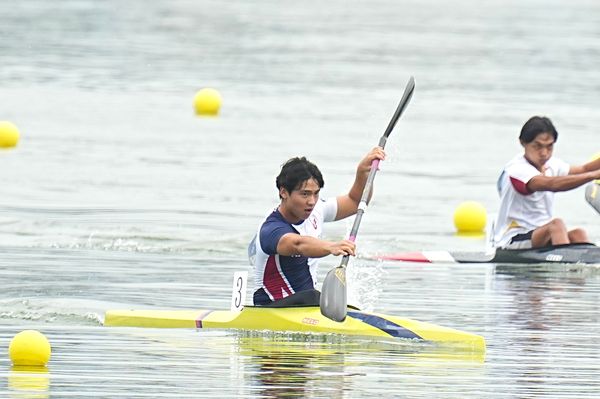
[470, 217]
[207, 102]
[29, 348]
[9, 134]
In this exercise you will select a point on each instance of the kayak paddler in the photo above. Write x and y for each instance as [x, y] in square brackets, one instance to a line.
[527, 185]
[288, 243]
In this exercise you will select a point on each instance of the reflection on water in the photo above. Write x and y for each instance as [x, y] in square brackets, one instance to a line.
[293, 368]
[302, 365]
[29, 382]
[548, 296]
[553, 315]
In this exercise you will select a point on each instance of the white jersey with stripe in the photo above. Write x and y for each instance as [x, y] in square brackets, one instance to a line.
[277, 276]
[521, 210]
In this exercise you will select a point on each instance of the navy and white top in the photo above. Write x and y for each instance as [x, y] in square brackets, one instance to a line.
[277, 276]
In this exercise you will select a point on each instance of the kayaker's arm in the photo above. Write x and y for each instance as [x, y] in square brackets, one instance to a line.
[587, 167]
[294, 244]
[348, 204]
[561, 183]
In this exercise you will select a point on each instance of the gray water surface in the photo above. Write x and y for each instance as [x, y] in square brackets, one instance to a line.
[117, 196]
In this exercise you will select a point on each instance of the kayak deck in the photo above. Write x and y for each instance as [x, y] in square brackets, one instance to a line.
[306, 319]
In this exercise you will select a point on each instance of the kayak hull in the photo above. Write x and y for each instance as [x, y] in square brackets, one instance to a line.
[306, 319]
[569, 254]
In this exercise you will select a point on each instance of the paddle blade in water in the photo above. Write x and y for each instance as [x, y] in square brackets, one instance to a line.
[333, 296]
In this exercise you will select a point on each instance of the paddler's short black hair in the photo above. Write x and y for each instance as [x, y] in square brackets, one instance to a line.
[536, 125]
[296, 171]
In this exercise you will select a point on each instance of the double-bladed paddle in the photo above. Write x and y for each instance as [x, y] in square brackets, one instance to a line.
[334, 298]
[592, 195]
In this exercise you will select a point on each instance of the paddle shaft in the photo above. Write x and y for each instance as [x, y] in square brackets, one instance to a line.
[375, 166]
[333, 302]
[363, 201]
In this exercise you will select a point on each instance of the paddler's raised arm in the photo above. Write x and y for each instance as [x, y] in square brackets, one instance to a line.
[348, 204]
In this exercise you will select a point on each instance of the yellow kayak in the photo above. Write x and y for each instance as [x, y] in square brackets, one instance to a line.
[305, 319]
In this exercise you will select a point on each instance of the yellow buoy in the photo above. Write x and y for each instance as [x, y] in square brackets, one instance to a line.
[9, 135]
[470, 217]
[29, 348]
[207, 102]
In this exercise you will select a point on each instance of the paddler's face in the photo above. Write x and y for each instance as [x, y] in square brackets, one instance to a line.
[539, 151]
[301, 201]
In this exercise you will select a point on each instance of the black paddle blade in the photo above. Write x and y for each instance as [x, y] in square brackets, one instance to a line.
[592, 195]
[408, 92]
[333, 296]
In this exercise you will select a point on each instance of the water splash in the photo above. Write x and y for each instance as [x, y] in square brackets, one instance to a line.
[365, 283]
[56, 310]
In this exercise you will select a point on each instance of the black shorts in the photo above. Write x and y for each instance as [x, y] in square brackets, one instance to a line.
[520, 241]
[302, 298]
